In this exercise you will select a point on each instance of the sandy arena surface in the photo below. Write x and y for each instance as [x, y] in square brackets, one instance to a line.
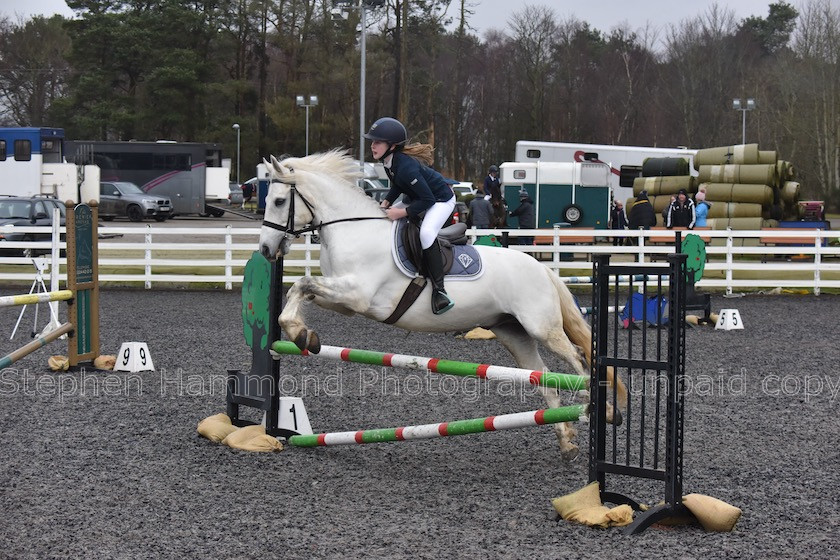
[109, 465]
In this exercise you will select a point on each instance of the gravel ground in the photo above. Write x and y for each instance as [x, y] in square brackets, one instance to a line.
[109, 465]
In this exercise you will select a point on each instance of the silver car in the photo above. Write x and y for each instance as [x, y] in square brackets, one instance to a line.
[120, 198]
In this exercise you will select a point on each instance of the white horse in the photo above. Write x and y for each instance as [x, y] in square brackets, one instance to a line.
[517, 297]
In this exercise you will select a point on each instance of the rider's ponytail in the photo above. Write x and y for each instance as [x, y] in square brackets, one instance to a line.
[424, 153]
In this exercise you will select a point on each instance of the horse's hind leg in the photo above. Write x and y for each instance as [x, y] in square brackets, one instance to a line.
[558, 342]
[525, 353]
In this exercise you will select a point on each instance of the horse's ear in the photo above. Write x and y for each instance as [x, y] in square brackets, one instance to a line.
[276, 164]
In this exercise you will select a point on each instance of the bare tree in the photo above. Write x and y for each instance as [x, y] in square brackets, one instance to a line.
[816, 44]
[34, 69]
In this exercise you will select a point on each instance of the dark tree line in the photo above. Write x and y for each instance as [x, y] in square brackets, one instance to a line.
[188, 70]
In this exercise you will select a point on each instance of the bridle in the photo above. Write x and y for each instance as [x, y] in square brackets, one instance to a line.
[288, 230]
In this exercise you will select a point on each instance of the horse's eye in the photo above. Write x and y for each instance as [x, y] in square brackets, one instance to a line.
[279, 202]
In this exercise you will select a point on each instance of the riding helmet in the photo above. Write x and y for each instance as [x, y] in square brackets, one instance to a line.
[388, 130]
[494, 169]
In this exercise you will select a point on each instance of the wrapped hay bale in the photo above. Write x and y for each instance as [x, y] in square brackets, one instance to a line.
[790, 192]
[740, 154]
[785, 171]
[664, 185]
[740, 223]
[660, 203]
[759, 174]
[738, 192]
[767, 156]
[664, 166]
[735, 210]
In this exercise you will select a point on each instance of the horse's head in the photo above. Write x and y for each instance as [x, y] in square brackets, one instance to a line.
[286, 210]
[320, 188]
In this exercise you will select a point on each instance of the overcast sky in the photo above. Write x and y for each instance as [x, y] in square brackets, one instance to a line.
[600, 14]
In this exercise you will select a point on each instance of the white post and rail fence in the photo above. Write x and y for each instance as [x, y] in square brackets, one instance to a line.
[160, 256]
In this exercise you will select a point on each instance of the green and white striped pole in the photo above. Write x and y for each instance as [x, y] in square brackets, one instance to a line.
[444, 429]
[449, 367]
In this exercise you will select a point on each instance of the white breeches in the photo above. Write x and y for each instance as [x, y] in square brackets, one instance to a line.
[435, 217]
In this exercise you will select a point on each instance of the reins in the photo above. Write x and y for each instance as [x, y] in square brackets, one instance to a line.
[287, 229]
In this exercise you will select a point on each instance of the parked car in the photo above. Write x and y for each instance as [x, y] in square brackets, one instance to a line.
[370, 184]
[378, 194]
[463, 189]
[26, 211]
[460, 214]
[235, 196]
[121, 198]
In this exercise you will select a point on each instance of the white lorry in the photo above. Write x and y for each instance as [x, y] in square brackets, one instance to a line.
[625, 162]
[32, 163]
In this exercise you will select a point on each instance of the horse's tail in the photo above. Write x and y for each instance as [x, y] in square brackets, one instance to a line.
[580, 333]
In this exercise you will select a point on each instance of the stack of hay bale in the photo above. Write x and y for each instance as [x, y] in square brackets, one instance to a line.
[663, 178]
[747, 188]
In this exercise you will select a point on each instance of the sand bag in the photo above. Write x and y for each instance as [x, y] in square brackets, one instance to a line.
[216, 428]
[262, 443]
[585, 507]
[252, 438]
[242, 435]
[740, 154]
[479, 333]
[105, 361]
[713, 514]
[58, 363]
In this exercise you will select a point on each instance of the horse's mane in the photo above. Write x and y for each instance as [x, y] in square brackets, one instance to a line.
[335, 164]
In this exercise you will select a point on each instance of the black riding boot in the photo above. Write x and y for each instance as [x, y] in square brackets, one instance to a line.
[433, 261]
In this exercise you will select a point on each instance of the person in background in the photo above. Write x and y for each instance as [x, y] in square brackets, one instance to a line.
[428, 198]
[492, 188]
[481, 212]
[667, 209]
[641, 213]
[701, 209]
[527, 216]
[681, 212]
[618, 221]
[247, 193]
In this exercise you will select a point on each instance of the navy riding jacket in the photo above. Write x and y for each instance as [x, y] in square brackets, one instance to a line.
[421, 185]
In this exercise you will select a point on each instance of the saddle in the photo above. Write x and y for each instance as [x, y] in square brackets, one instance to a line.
[456, 234]
[408, 256]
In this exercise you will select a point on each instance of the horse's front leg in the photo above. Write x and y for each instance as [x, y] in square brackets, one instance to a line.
[335, 293]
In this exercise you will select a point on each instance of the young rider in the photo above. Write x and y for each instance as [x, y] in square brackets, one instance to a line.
[427, 195]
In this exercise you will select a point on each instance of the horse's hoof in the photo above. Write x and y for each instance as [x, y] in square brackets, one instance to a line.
[300, 340]
[570, 453]
[617, 418]
[314, 343]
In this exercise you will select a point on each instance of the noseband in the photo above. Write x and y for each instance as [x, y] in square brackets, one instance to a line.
[288, 230]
